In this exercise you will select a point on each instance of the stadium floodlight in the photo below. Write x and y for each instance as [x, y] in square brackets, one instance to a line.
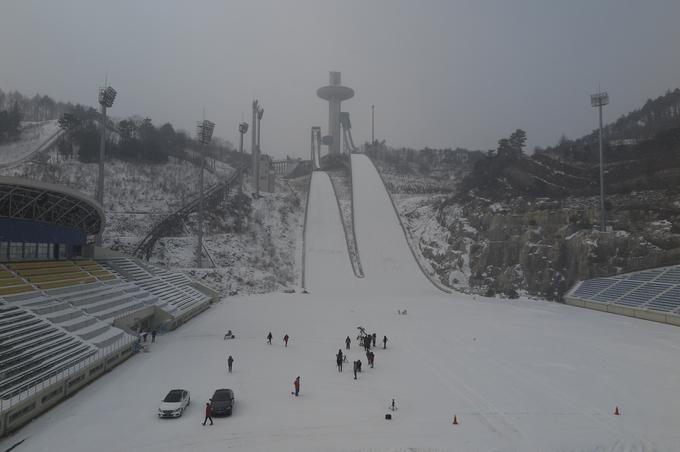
[106, 97]
[599, 100]
[204, 131]
[242, 128]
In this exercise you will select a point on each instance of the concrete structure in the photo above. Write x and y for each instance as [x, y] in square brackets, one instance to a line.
[334, 93]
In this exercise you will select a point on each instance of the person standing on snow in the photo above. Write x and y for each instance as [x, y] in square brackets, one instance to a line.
[296, 385]
[269, 338]
[384, 342]
[356, 366]
[208, 413]
[374, 336]
[153, 335]
[371, 358]
[230, 362]
[347, 342]
[338, 360]
[285, 339]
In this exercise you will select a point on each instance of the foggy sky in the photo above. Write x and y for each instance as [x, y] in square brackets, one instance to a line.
[440, 73]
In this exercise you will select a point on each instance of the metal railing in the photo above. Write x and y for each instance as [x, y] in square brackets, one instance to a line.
[52, 379]
[175, 220]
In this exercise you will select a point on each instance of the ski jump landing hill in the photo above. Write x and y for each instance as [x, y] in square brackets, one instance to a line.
[388, 263]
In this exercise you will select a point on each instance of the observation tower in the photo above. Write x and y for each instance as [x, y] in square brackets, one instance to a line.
[334, 93]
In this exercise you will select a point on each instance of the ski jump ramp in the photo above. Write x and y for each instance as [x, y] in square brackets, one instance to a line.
[327, 264]
[389, 266]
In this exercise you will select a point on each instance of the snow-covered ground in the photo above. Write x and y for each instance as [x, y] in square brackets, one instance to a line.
[33, 135]
[519, 375]
[264, 257]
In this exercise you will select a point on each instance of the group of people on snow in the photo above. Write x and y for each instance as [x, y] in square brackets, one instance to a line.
[366, 340]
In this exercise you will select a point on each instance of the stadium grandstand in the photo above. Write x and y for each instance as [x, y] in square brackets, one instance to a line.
[649, 294]
[70, 311]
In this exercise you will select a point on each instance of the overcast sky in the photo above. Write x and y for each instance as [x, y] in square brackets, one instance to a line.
[440, 73]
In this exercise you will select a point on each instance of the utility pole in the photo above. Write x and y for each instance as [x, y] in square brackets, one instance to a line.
[599, 100]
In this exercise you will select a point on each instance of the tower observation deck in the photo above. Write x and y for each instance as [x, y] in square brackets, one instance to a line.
[334, 93]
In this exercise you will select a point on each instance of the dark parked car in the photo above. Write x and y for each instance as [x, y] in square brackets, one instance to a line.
[223, 402]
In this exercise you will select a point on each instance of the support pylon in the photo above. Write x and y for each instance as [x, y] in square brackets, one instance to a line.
[455, 420]
[616, 412]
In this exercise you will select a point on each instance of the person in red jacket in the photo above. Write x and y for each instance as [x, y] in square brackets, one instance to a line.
[285, 339]
[208, 413]
[296, 385]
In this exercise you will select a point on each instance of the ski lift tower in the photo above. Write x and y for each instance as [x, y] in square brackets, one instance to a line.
[334, 93]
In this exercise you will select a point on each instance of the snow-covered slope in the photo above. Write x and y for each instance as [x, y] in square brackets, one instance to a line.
[519, 375]
[33, 136]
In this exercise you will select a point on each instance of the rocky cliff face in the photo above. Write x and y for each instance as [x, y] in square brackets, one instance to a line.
[501, 242]
[542, 247]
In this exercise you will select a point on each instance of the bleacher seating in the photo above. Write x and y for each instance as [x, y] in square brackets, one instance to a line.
[34, 349]
[668, 301]
[83, 316]
[173, 290]
[616, 290]
[591, 287]
[656, 290]
[21, 277]
[55, 314]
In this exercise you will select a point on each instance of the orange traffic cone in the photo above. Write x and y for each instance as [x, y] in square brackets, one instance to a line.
[455, 420]
[616, 412]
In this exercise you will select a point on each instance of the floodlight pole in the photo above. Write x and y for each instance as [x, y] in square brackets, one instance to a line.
[599, 100]
[106, 97]
[199, 244]
[260, 112]
[242, 129]
[254, 150]
[372, 124]
[204, 132]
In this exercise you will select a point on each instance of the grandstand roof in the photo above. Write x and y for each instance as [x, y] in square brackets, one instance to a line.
[25, 199]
